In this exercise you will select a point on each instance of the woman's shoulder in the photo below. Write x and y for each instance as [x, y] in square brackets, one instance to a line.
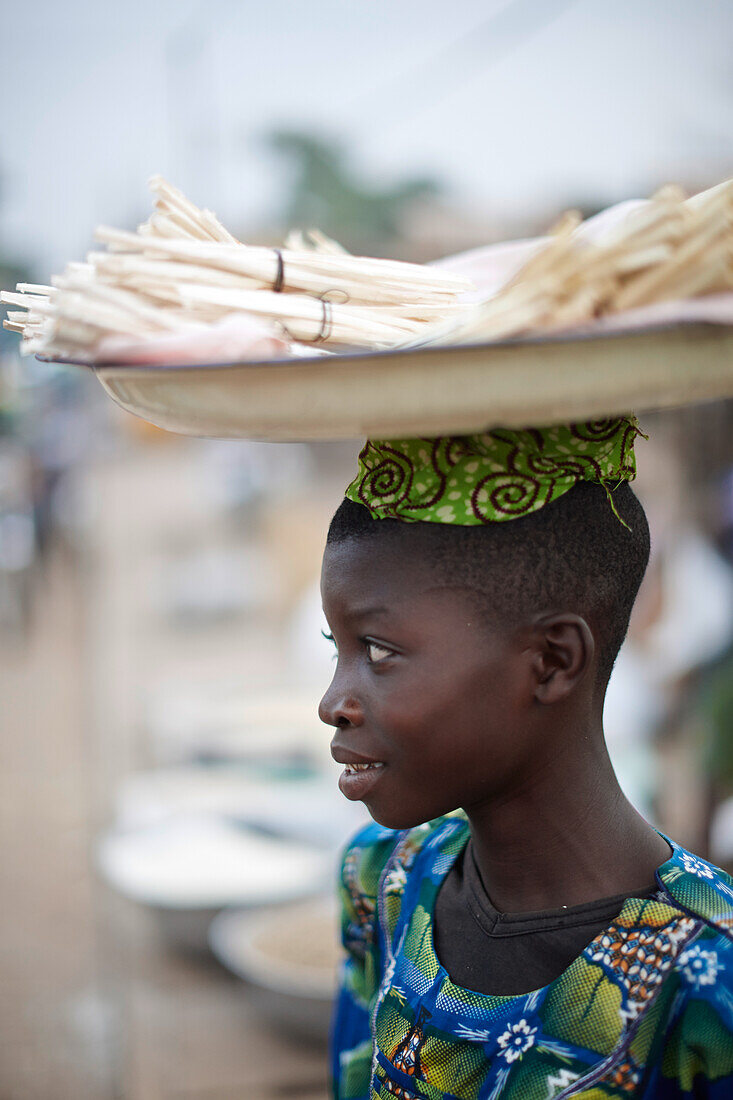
[700, 889]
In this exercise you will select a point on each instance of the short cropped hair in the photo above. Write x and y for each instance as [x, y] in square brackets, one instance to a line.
[572, 555]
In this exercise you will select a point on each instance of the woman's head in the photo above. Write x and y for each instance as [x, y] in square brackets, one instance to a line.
[460, 647]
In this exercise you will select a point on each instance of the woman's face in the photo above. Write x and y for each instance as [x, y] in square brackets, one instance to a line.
[434, 700]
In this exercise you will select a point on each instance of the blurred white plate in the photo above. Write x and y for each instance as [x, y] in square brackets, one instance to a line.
[205, 862]
[289, 956]
[311, 810]
[278, 727]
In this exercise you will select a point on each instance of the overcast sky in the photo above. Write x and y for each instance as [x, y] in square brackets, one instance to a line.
[517, 106]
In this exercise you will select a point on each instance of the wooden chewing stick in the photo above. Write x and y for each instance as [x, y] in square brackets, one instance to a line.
[582, 306]
[90, 311]
[134, 304]
[27, 301]
[123, 265]
[260, 263]
[36, 288]
[174, 199]
[507, 314]
[669, 192]
[647, 287]
[365, 321]
[312, 240]
[566, 224]
[161, 293]
[702, 280]
[721, 193]
[267, 301]
[652, 223]
[633, 261]
[167, 222]
[557, 256]
[160, 225]
[170, 201]
[179, 218]
[71, 332]
[514, 322]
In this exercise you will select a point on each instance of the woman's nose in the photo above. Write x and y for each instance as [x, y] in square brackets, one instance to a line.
[339, 706]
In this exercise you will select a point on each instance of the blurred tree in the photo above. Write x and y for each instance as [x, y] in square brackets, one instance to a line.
[12, 271]
[326, 195]
[10, 274]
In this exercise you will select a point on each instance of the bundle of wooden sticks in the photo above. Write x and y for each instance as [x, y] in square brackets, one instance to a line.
[182, 270]
[667, 249]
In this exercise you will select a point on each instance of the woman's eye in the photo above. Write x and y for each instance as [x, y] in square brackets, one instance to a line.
[377, 653]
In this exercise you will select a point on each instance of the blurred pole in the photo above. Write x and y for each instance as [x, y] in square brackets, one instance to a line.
[192, 110]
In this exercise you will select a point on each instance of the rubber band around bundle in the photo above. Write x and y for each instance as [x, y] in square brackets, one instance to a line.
[326, 323]
[324, 331]
[280, 273]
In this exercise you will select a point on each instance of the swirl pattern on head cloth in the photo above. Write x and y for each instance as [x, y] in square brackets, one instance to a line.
[493, 476]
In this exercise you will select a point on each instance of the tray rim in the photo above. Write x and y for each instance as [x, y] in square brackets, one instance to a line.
[360, 356]
[442, 390]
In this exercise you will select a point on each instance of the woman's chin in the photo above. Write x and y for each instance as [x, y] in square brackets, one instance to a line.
[391, 817]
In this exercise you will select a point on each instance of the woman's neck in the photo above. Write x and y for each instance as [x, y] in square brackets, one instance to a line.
[564, 835]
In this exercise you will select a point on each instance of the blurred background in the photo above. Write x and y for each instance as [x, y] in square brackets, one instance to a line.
[169, 820]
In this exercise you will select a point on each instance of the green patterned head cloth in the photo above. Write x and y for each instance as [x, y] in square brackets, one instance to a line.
[494, 476]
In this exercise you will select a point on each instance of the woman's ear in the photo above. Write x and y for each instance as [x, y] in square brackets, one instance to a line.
[564, 652]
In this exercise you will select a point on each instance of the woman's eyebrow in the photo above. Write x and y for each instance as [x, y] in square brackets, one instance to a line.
[366, 612]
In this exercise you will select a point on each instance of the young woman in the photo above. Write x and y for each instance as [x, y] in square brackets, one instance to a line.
[513, 927]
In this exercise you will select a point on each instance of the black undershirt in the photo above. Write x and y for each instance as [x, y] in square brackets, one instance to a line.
[507, 954]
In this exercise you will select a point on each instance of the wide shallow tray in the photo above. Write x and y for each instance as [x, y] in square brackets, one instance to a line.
[432, 391]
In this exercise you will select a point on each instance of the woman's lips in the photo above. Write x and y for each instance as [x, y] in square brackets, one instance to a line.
[362, 767]
[357, 780]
